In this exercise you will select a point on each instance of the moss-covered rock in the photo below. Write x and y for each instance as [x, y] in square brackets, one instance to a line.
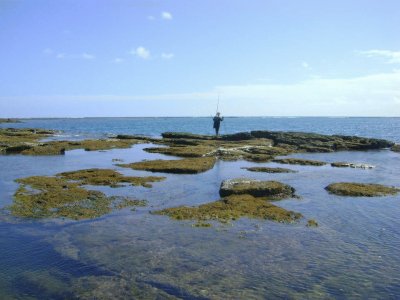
[396, 148]
[181, 166]
[64, 195]
[361, 189]
[312, 223]
[107, 177]
[232, 208]
[299, 161]
[269, 170]
[257, 188]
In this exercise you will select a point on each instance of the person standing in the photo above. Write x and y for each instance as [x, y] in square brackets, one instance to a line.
[217, 122]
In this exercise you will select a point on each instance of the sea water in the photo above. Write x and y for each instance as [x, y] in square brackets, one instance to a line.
[353, 252]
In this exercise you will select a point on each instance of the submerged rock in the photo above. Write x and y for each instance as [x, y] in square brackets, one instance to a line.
[299, 161]
[312, 223]
[232, 208]
[269, 170]
[181, 166]
[257, 188]
[351, 165]
[361, 189]
[64, 195]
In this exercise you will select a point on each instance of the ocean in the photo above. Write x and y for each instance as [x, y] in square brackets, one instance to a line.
[353, 253]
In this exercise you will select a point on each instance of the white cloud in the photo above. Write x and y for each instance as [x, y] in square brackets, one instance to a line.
[305, 65]
[167, 55]
[372, 95]
[87, 56]
[166, 15]
[392, 56]
[117, 60]
[141, 52]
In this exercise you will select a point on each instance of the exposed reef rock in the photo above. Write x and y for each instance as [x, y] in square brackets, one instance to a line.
[107, 177]
[64, 196]
[361, 189]
[257, 188]
[232, 208]
[351, 165]
[269, 170]
[312, 223]
[298, 161]
[27, 141]
[396, 148]
[181, 166]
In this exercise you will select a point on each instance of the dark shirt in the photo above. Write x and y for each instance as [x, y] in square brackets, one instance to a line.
[217, 121]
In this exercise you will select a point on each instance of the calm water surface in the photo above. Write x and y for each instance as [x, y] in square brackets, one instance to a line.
[352, 254]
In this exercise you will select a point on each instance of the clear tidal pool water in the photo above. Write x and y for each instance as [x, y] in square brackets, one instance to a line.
[352, 254]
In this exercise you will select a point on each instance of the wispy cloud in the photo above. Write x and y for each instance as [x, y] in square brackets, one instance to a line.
[393, 57]
[167, 55]
[87, 56]
[118, 60]
[62, 55]
[166, 15]
[141, 52]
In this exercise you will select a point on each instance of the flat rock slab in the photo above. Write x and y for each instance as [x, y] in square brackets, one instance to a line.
[269, 170]
[299, 161]
[351, 165]
[353, 189]
[180, 166]
[240, 186]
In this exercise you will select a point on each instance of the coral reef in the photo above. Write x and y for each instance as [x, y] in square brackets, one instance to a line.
[361, 189]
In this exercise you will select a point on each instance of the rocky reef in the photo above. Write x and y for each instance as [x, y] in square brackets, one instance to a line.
[299, 161]
[269, 170]
[181, 166]
[65, 196]
[274, 190]
[8, 120]
[361, 189]
[232, 208]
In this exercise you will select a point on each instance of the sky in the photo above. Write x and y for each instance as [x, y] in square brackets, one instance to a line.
[127, 58]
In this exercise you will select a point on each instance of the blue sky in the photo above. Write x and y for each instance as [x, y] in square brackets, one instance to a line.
[76, 58]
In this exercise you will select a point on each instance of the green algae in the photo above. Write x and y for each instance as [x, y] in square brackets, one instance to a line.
[312, 223]
[64, 196]
[232, 208]
[107, 177]
[272, 189]
[299, 161]
[269, 170]
[181, 166]
[361, 189]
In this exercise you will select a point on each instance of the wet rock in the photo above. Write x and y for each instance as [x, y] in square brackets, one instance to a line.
[240, 136]
[299, 161]
[351, 165]
[269, 170]
[181, 166]
[257, 188]
[396, 148]
[186, 135]
[17, 149]
[312, 223]
[232, 208]
[361, 189]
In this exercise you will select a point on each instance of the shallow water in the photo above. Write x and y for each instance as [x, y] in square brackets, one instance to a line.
[353, 252]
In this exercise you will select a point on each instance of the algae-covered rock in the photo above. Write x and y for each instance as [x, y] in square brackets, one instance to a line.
[299, 161]
[257, 188]
[269, 170]
[351, 165]
[107, 177]
[181, 166]
[361, 189]
[232, 208]
[396, 148]
[185, 135]
[64, 196]
[312, 223]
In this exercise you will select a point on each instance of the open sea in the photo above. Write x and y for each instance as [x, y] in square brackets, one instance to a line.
[353, 253]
